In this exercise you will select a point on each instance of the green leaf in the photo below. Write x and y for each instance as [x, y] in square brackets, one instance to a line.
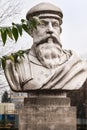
[22, 20]
[34, 22]
[3, 35]
[20, 53]
[3, 61]
[11, 58]
[9, 32]
[36, 19]
[15, 33]
[19, 27]
[13, 23]
[24, 26]
[15, 56]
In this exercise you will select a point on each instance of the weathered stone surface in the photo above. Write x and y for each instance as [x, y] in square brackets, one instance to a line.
[47, 113]
[45, 100]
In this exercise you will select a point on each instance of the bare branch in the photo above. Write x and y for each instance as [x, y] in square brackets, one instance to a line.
[8, 9]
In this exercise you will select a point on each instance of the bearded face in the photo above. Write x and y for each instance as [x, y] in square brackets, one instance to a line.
[47, 44]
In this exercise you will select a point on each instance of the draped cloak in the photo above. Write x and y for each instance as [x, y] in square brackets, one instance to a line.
[30, 74]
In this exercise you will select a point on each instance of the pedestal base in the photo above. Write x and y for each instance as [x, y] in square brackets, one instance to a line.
[47, 113]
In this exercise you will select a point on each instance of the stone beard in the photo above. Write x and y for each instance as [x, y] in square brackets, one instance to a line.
[49, 52]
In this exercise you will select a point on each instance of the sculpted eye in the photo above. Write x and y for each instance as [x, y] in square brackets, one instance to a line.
[43, 23]
[55, 24]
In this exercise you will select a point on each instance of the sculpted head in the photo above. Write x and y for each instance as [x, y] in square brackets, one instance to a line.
[46, 38]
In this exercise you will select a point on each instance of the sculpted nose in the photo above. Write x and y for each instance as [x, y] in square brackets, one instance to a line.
[50, 29]
[49, 32]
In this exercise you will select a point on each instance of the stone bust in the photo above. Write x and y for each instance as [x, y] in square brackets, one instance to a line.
[46, 65]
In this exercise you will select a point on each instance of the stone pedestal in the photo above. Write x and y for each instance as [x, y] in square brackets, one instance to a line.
[47, 113]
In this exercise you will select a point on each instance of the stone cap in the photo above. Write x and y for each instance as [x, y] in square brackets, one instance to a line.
[48, 9]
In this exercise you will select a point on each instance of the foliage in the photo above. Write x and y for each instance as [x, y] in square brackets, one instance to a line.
[13, 33]
[5, 97]
[16, 30]
[13, 57]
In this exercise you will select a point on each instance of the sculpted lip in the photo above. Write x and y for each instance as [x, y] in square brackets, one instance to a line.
[50, 40]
